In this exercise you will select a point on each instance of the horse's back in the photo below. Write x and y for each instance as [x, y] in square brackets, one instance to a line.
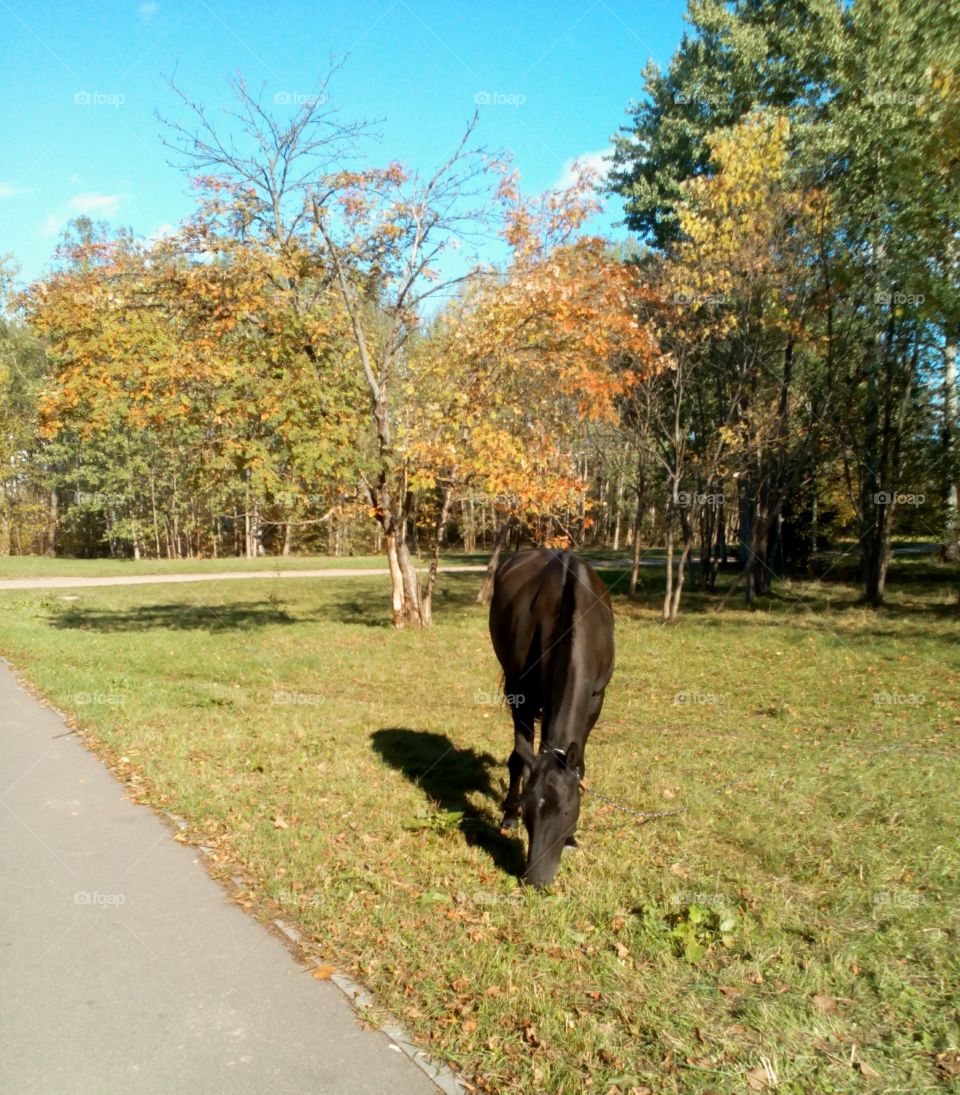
[541, 598]
[526, 599]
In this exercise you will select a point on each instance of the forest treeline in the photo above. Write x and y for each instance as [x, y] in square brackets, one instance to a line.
[323, 357]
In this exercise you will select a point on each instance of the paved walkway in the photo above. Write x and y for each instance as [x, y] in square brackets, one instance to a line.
[236, 575]
[125, 968]
[213, 576]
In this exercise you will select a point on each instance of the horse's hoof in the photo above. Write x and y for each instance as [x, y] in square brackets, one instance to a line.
[571, 844]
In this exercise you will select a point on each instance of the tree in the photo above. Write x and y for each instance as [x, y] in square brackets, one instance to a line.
[186, 357]
[864, 88]
[24, 490]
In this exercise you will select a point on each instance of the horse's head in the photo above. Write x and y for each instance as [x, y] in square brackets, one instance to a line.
[550, 808]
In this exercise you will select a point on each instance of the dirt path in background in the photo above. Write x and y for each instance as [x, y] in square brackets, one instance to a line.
[224, 576]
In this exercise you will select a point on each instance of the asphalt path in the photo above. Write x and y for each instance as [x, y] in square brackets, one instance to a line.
[213, 576]
[125, 968]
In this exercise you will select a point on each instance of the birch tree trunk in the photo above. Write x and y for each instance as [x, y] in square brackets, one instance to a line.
[426, 595]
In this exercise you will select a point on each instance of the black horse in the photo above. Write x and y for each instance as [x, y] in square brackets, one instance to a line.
[552, 630]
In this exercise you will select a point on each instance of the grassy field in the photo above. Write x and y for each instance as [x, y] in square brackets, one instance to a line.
[795, 930]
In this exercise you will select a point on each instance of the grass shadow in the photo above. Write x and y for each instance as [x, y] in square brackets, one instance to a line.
[176, 616]
[371, 608]
[367, 605]
[448, 775]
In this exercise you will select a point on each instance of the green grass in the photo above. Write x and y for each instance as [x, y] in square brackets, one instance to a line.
[800, 918]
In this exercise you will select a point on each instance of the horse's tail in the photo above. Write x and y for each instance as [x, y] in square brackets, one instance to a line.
[561, 657]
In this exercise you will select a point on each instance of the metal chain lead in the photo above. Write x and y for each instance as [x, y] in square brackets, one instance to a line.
[646, 815]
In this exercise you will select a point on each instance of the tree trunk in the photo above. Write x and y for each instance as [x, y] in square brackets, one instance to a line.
[153, 510]
[52, 523]
[746, 537]
[426, 595]
[411, 585]
[635, 563]
[618, 500]
[951, 538]
[469, 528]
[396, 581]
[678, 584]
[668, 578]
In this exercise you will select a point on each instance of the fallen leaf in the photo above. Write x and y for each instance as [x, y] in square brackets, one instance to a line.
[280, 822]
[622, 951]
[324, 973]
[758, 1078]
[824, 1002]
[868, 1070]
[949, 1063]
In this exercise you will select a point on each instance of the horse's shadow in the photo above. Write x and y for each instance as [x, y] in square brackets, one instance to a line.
[447, 775]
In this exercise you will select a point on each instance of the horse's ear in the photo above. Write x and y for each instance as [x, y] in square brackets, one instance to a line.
[524, 750]
[573, 755]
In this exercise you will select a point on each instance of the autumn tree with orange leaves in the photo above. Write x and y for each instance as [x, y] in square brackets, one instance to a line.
[489, 398]
[284, 331]
[189, 351]
[529, 356]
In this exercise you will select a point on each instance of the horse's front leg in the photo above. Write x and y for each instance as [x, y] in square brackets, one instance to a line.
[519, 767]
[511, 804]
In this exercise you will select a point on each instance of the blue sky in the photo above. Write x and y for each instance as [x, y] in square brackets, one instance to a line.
[81, 83]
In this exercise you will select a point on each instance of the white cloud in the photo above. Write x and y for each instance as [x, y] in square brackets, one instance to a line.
[162, 231]
[52, 225]
[12, 191]
[147, 11]
[93, 203]
[596, 162]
